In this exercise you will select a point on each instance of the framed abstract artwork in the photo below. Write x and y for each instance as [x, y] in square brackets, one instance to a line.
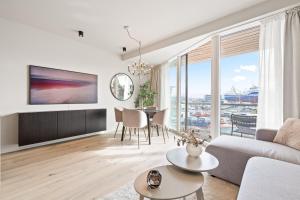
[55, 86]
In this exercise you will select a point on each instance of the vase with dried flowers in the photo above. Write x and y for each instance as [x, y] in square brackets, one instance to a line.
[194, 144]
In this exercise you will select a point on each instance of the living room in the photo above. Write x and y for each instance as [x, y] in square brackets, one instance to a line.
[150, 99]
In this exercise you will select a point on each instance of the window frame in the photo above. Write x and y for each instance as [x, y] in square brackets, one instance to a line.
[215, 117]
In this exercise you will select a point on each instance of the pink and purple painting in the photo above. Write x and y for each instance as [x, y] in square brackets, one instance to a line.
[53, 86]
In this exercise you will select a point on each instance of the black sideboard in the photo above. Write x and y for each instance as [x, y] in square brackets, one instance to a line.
[35, 127]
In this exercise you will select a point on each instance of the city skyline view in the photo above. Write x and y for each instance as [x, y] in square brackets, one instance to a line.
[238, 87]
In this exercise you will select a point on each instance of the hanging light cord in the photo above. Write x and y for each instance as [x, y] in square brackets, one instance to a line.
[136, 40]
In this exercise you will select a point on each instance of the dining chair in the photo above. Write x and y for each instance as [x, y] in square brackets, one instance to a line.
[134, 119]
[160, 120]
[118, 118]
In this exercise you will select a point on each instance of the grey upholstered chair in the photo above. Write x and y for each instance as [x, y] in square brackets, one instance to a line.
[118, 118]
[160, 120]
[134, 119]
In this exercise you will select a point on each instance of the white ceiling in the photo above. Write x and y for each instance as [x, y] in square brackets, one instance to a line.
[103, 20]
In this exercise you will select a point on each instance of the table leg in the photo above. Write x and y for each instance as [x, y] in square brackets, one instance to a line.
[141, 197]
[123, 132]
[199, 194]
[148, 123]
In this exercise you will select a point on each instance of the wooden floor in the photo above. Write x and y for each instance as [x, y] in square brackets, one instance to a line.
[81, 169]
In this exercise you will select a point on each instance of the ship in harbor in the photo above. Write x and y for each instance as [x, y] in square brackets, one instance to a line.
[199, 109]
[250, 96]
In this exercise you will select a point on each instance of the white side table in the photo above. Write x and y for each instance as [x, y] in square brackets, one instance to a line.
[180, 158]
[175, 183]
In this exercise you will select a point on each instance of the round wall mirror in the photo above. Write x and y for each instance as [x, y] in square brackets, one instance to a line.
[121, 86]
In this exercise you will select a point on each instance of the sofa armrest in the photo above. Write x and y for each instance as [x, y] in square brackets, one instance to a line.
[266, 134]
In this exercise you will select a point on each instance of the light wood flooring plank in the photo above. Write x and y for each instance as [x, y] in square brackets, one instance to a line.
[86, 168]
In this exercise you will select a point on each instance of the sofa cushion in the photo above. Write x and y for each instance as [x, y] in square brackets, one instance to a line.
[269, 179]
[289, 133]
[258, 148]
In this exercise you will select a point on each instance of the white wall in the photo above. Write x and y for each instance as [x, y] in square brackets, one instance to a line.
[21, 45]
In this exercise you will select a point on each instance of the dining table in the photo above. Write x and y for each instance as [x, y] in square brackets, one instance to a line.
[149, 113]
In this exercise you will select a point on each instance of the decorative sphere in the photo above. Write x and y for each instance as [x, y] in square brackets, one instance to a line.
[154, 179]
[193, 150]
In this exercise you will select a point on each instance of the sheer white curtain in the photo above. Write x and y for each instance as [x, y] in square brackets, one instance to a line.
[291, 77]
[270, 101]
[164, 87]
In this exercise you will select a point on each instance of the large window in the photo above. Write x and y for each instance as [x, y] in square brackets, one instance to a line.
[239, 80]
[172, 94]
[199, 89]
[237, 74]
[183, 103]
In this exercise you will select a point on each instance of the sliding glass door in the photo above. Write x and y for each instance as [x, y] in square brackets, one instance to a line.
[183, 102]
[191, 96]
[239, 82]
[171, 93]
[199, 89]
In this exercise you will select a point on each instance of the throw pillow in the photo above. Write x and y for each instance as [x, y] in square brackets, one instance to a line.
[289, 133]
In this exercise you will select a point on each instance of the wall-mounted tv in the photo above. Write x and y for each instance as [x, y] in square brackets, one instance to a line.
[54, 86]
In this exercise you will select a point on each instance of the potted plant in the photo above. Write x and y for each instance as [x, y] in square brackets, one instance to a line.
[194, 144]
[145, 97]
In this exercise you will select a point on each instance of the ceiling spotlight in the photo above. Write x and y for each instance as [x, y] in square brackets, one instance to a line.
[80, 33]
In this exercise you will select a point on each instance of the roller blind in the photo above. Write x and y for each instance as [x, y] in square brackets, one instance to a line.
[240, 42]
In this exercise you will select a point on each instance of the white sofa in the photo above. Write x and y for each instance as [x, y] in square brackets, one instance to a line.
[269, 179]
[234, 152]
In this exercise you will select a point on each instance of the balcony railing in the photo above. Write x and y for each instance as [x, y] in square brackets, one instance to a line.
[199, 117]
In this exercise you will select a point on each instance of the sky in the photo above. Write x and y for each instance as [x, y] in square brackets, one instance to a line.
[239, 71]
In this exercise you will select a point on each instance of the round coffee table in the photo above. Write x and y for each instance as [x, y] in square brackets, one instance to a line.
[180, 158]
[175, 184]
